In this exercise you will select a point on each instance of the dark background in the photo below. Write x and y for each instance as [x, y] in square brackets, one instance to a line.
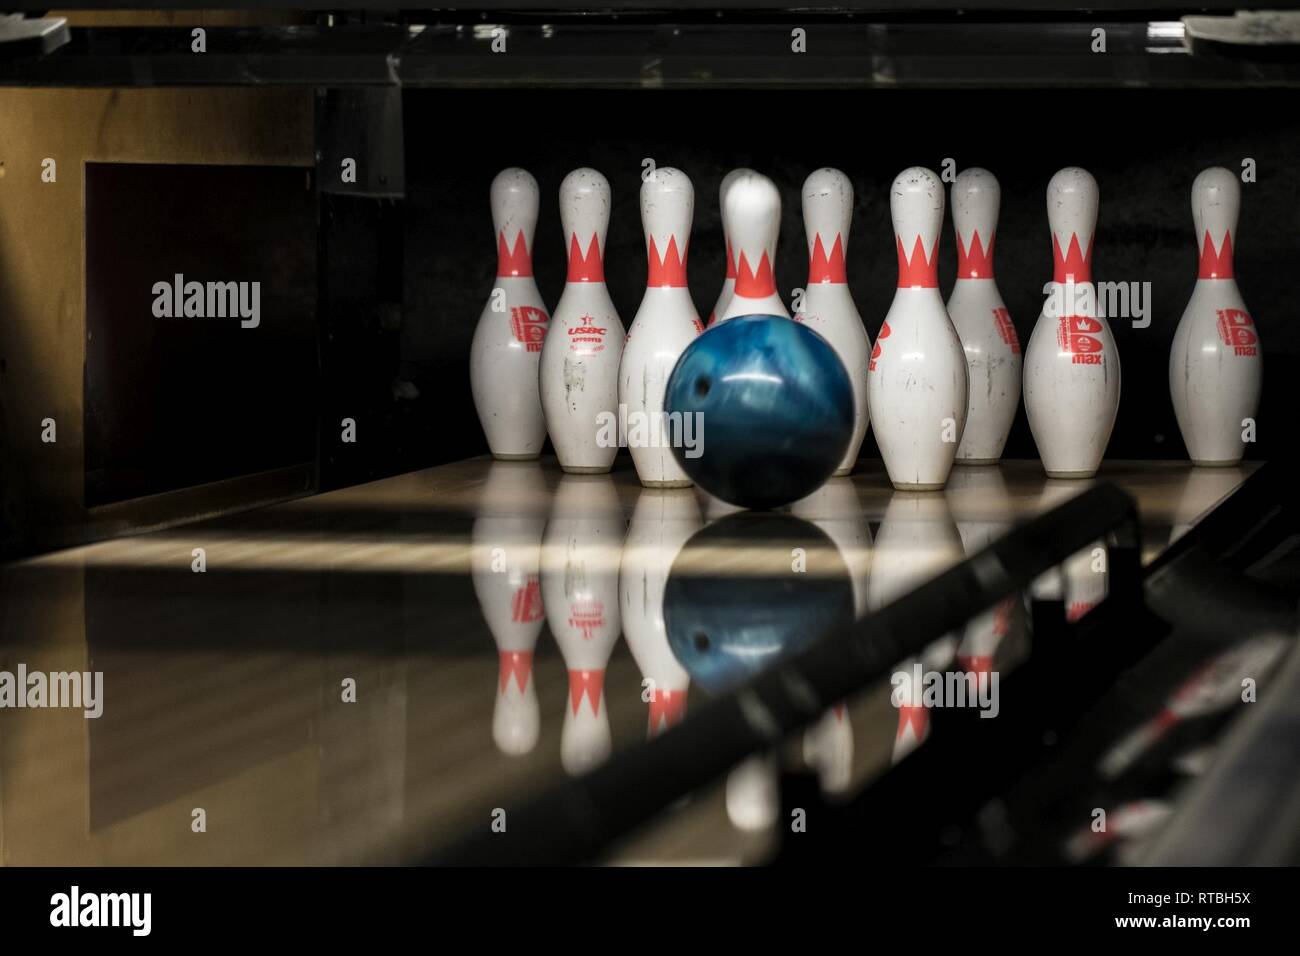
[1144, 148]
[402, 281]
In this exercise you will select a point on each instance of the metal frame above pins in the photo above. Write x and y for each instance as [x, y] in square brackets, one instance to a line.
[982, 321]
[1071, 372]
[584, 344]
[664, 325]
[507, 346]
[1215, 364]
[828, 307]
[916, 381]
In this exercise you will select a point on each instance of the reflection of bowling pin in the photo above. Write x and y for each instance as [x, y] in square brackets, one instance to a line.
[1215, 686]
[579, 367]
[828, 747]
[916, 380]
[1215, 364]
[752, 211]
[828, 307]
[752, 797]
[834, 507]
[506, 561]
[661, 524]
[728, 283]
[508, 340]
[982, 322]
[981, 506]
[664, 325]
[1071, 374]
[1127, 822]
[580, 557]
[1081, 580]
[917, 540]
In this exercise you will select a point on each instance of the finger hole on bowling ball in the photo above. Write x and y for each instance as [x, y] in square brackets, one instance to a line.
[702, 386]
[701, 641]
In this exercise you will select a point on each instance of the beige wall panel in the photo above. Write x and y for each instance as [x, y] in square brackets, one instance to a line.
[42, 295]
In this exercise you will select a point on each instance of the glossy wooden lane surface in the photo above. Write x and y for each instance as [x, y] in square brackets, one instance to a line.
[224, 690]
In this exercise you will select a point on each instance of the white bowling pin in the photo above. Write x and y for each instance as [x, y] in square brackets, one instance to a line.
[828, 747]
[1071, 374]
[579, 367]
[1215, 364]
[729, 282]
[1080, 581]
[828, 307]
[984, 511]
[753, 797]
[664, 325]
[506, 564]
[507, 344]
[580, 559]
[752, 212]
[834, 507]
[661, 524]
[916, 380]
[982, 321]
[917, 540]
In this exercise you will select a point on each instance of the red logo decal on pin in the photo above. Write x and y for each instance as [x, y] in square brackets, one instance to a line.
[1238, 332]
[1076, 336]
[1007, 329]
[526, 606]
[587, 339]
[528, 324]
[875, 349]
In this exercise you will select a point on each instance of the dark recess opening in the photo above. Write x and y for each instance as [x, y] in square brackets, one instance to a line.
[177, 402]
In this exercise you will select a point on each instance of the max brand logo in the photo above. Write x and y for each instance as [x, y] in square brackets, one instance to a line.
[73, 909]
[179, 299]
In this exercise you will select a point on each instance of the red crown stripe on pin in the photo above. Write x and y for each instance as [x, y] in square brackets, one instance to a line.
[590, 684]
[1073, 265]
[513, 262]
[755, 284]
[1216, 265]
[585, 267]
[731, 262]
[667, 708]
[976, 663]
[975, 262]
[516, 664]
[912, 718]
[668, 269]
[920, 270]
[824, 268]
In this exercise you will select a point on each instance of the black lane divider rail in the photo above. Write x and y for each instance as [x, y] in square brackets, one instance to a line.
[576, 820]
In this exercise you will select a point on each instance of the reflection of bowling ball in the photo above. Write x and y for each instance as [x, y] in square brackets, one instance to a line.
[734, 602]
[776, 410]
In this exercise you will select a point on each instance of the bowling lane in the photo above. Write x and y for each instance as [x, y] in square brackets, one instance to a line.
[363, 675]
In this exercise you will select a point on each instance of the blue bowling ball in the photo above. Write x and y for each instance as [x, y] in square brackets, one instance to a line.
[775, 410]
[724, 626]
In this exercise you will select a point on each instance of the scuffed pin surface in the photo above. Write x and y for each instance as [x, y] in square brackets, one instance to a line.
[579, 381]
